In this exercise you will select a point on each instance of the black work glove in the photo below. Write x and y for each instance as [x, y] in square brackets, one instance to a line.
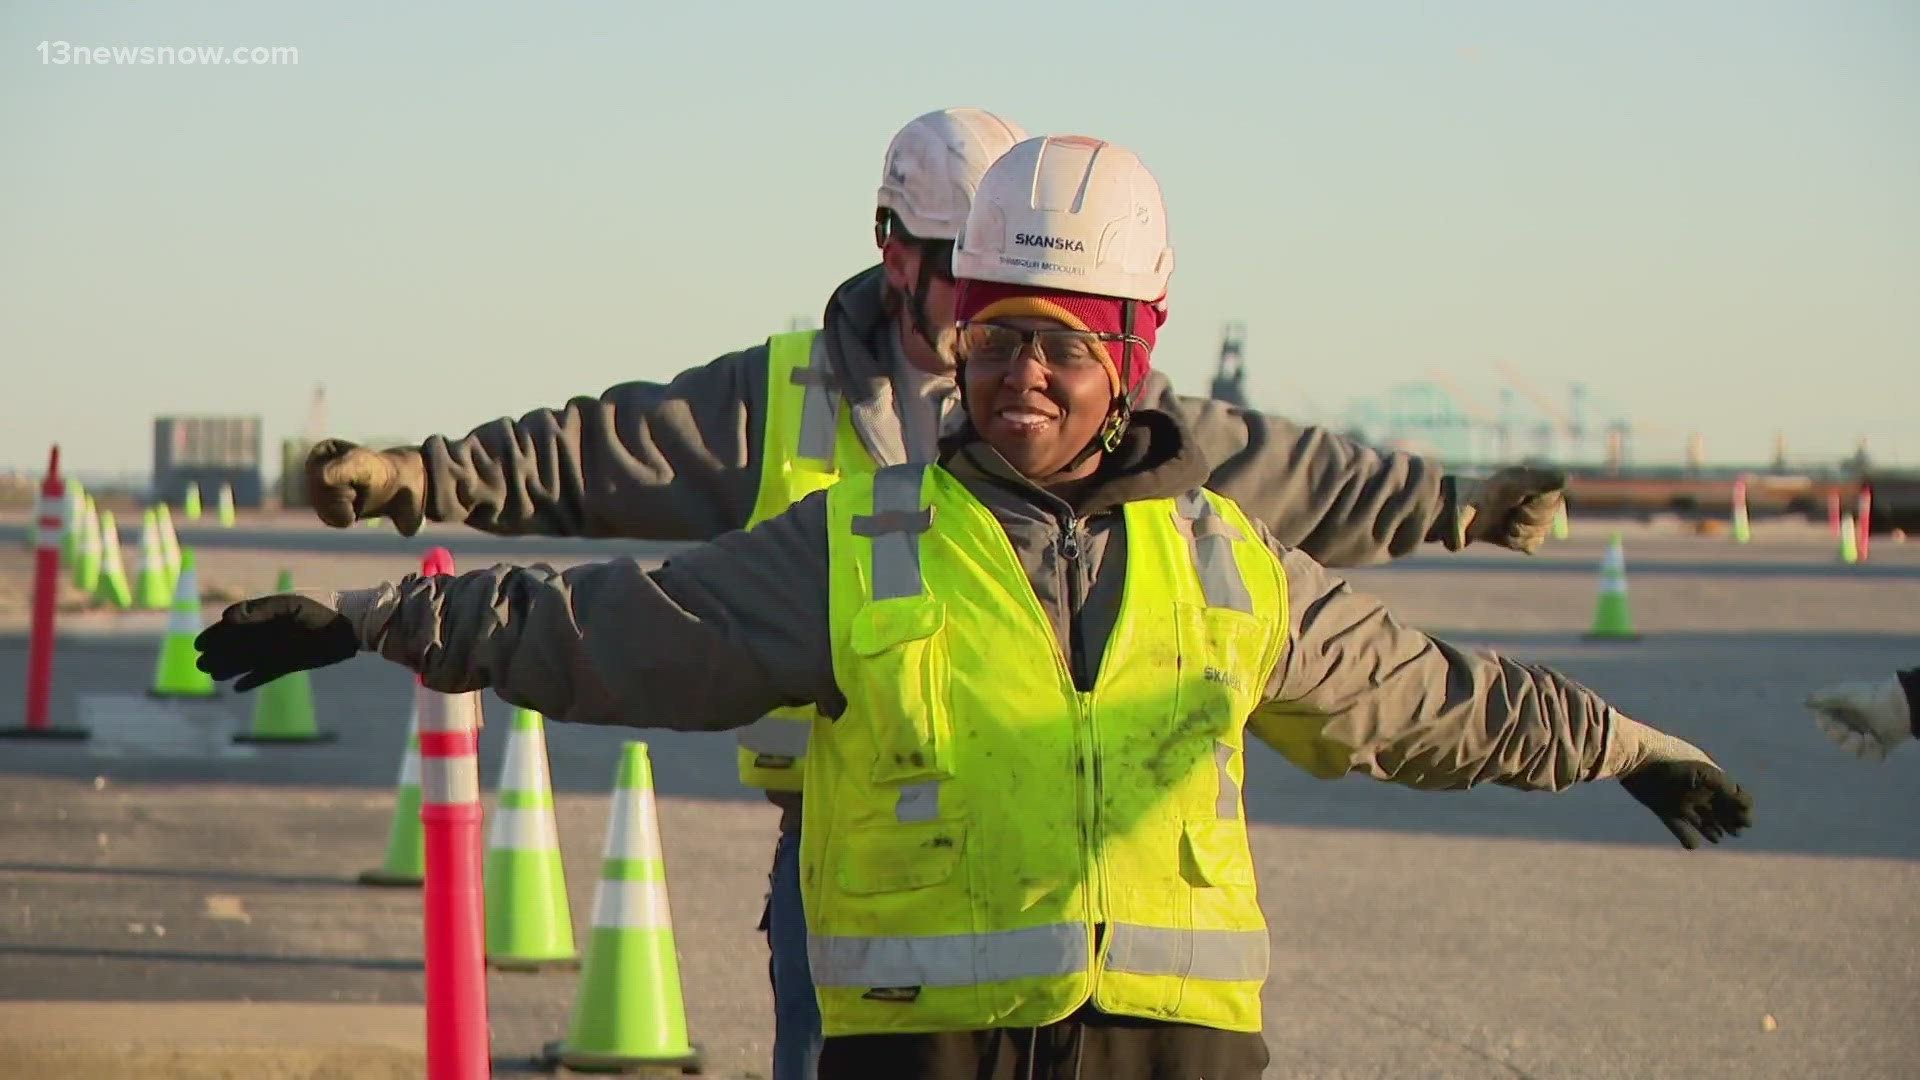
[1693, 799]
[262, 639]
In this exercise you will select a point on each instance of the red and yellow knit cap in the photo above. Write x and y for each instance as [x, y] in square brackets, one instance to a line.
[979, 301]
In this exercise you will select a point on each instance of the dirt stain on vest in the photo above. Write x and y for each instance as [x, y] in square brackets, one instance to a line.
[1189, 740]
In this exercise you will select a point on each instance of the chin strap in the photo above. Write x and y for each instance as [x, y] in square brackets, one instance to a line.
[1120, 413]
[917, 305]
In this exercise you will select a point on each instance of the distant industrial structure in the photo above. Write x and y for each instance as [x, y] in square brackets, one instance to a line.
[1597, 447]
[208, 451]
[1230, 378]
[1437, 417]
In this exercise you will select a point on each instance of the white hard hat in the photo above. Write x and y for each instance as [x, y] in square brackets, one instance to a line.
[1071, 213]
[934, 164]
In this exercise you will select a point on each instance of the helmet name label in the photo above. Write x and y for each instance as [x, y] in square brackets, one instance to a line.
[1051, 243]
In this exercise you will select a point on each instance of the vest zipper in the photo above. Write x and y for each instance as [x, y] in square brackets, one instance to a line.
[1090, 823]
[1076, 644]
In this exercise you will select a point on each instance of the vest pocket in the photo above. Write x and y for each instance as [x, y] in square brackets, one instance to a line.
[1220, 654]
[898, 858]
[1214, 853]
[904, 684]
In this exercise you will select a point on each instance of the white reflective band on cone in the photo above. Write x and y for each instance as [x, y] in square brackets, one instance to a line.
[449, 781]
[52, 514]
[531, 829]
[185, 616]
[631, 905]
[526, 764]
[628, 835]
[446, 712]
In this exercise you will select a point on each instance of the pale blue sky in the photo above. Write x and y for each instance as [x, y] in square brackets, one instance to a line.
[1709, 212]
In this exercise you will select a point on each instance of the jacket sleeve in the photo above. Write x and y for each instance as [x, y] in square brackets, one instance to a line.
[712, 640]
[1355, 690]
[1342, 503]
[645, 461]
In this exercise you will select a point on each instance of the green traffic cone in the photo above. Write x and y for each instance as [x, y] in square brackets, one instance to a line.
[74, 525]
[225, 506]
[112, 589]
[176, 673]
[406, 863]
[86, 563]
[169, 545]
[628, 1013]
[283, 708]
[529, 926]
[191, 504]
[152, 589]
[1612, 620]
[1849, 542]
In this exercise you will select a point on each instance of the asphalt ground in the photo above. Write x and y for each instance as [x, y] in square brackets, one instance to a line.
[1487, 933]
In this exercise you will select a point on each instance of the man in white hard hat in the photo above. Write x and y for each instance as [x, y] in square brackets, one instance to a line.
[1036, 662]
[738, 440]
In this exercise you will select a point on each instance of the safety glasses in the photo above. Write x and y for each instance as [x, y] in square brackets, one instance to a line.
[1059, 349]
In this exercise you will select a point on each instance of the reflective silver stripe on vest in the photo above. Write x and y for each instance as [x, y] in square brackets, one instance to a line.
[1214, 955]
[948, 959]
[895, 527]
[776, 735]
[1036, 952]
[1211, 539]
[1227, 803]
[820, 407]
[918, 802]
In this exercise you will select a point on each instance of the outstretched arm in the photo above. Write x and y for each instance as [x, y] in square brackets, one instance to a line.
[1358, 691]
[1346, 504]
[713, 640]
[650, 461]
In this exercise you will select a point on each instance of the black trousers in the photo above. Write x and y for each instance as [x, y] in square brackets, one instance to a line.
[1088, 1045]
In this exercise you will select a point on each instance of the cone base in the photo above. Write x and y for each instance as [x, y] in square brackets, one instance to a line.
[310, 737]
[156, 692]
[555, 1054]
[518, 963]
[389, 879]
[1601, 635]
[51, 733]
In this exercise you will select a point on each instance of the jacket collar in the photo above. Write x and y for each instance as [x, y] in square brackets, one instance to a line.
[1156, 459]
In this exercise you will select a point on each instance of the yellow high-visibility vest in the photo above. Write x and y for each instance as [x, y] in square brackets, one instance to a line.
[984, 845]
[809, 444]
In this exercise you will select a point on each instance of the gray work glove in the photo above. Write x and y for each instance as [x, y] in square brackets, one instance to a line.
[1513, 508]
[347, 482]
[1676, 780]
[1868, 718]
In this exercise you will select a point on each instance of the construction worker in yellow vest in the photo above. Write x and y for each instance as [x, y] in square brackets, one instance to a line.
[736, 441]
[1035, 665]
